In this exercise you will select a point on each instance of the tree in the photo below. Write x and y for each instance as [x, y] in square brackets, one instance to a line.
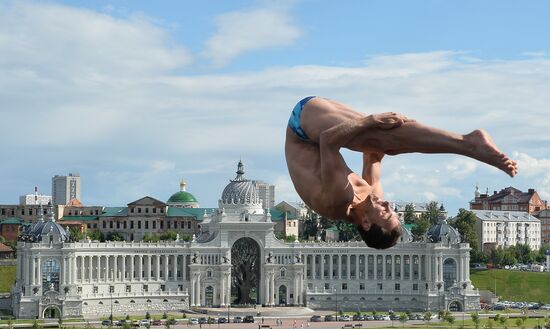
[403, 318]
[347, 231]
[114, 236]
[420, 228]
[448, 317]
[503, 321]
[408, 214]
[465, 222]
[311, 227]
[76, 234]
[168, 236]
[95, 235]
[519, 322]
[432, 213]
[475, 319]
[427, 317]
[148, 315]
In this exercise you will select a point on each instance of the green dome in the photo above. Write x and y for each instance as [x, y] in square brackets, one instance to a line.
[182, 197]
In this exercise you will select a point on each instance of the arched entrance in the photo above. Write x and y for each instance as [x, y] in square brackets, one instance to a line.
[282, 295]
[209, 296]
[455, 306]
[51, 312]
[245, 272]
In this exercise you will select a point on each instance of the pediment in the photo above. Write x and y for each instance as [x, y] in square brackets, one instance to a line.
[147, 201]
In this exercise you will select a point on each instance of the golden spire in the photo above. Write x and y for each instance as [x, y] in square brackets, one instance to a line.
[182, 185]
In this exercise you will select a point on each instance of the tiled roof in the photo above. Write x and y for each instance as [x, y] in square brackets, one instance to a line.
[500, 215]
[114, 211]
[12, 220]
[197, 213]
[78, 218]
[4, 248]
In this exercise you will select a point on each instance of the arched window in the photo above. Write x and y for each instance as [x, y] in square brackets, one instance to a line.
[449, 272]
[50, 275]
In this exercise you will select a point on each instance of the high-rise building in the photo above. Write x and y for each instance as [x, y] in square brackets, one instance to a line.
[266, 192]
[65, 188]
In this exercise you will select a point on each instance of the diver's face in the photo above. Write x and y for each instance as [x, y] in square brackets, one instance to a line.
[378, 211]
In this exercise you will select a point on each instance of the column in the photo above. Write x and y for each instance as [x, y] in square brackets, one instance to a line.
[175, 267]
[123, 268]
[39, 270]
[322, 267]
[429, 278]
[393, 267]
[357, 258]
[63, 270]
[32, 272]
[222, 289]
[149, 275]
[267, 288]
[467, 267]
[348, 266]
[108, 268]
[402, 267]
[440, 267]
[384, 266]
[115, 267]
[314, 267]
[198, 290]
[331, 267]
[272, 295]
[183, 265]
[192, 296]
[73, 269]
[375, 266]
[140, 268]
[411, 261]
[339, 266]
[132, 260]
[157, 268]
[26, 272]
[166, 267]
[420, 267]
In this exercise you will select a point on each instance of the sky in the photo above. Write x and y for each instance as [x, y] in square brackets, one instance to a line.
[137, 95]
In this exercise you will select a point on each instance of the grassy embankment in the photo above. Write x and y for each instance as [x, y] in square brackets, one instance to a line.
[514, 285]
[7, 277]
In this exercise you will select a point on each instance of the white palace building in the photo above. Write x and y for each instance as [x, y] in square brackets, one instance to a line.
[236, 259]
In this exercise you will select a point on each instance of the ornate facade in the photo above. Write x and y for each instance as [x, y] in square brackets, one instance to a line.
[60, 277]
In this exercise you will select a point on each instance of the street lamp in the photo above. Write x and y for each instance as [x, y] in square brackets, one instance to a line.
[228, 306]
[336, 293]
[218, 320]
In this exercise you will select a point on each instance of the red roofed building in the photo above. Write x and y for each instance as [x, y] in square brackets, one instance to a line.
[509, 199]
[6, 252]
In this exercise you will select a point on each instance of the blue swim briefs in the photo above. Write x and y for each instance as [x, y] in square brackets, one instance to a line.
[294, 121]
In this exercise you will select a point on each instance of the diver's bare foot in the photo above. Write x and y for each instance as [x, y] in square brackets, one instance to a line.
[485, 150]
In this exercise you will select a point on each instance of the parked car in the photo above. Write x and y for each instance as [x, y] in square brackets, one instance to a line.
[193, 321]
[144, 323]
[106, 322]
[203, 320]
[222, 320]
[330, 318]
[237, 319]
[116, 323]
[316, 318]
[358, 317]
[386, 317]
[212, 320]
[394, 317]
[344, 317]
[248, 319]
[369, 317]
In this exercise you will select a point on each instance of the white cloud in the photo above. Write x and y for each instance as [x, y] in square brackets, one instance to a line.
[461, 167]
[284, 189]
[252, 30]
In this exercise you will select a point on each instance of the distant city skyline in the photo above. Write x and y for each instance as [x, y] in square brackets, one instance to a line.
[136, 95]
